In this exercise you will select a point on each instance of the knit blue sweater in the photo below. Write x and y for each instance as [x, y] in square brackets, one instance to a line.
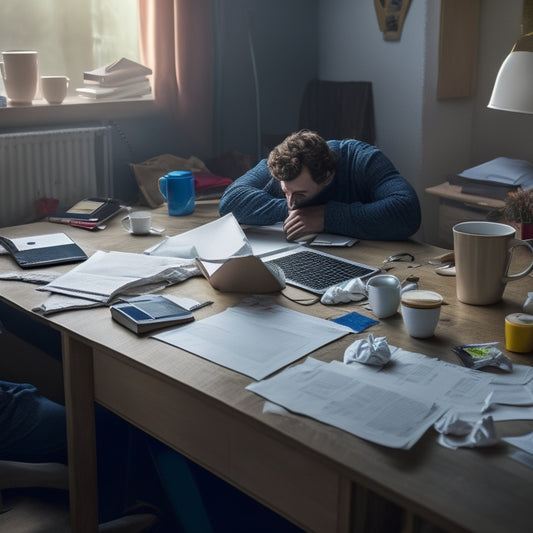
[367, 199]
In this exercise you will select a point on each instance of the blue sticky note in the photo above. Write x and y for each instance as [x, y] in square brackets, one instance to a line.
[356, 321]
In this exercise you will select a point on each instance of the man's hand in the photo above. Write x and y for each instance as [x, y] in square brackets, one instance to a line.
[304, 221]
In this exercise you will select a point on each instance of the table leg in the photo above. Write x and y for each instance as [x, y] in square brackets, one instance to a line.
[79, 403]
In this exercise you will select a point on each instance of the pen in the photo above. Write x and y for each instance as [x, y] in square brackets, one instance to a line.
[82, 224]
[90, 223]
[67, 220]
[200, 305]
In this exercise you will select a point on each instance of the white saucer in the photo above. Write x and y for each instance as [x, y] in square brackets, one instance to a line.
[446, 270]
[153, 231]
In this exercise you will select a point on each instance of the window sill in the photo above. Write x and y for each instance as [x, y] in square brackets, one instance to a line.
[73, 110]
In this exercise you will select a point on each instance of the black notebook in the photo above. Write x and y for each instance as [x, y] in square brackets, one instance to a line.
[88, 213]
[43, 250]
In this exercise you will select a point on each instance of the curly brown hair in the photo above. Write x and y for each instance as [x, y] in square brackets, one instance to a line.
[302, 149]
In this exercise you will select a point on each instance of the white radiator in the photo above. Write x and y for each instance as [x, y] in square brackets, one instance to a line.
[66, 164]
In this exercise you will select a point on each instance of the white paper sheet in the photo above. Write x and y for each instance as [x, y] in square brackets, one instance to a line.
[266, 240]
[393, 405]
[221, 239]
[336, 395]
[255, 338]
[106, 274]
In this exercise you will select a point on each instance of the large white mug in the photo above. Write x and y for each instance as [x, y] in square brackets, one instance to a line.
[483, 252]
[20, 72]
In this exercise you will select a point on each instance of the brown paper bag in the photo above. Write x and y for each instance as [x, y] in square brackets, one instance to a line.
[147, 174]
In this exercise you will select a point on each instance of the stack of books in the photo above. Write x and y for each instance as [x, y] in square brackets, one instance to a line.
[495, 178]
[89, 213]
[122, 79]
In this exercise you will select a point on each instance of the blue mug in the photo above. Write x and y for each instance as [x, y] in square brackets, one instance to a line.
[177, 188]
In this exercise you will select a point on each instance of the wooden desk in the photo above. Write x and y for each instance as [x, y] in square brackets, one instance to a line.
[305, 470]
[455, 207]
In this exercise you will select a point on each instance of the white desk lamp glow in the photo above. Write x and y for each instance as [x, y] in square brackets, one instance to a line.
[513, 89]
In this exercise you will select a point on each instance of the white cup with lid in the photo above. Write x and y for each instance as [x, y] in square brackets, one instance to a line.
[421, 312]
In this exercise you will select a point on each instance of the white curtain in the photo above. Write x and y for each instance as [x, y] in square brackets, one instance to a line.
[71, 36]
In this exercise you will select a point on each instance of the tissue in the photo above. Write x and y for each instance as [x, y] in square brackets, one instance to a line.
[352, 290]
[457, 433]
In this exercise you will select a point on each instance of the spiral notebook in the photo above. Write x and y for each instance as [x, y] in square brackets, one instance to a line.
[43, 250]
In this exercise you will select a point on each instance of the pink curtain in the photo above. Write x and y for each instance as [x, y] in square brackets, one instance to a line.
[177, 44]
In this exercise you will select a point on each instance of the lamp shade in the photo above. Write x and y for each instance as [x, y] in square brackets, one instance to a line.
[513, 89]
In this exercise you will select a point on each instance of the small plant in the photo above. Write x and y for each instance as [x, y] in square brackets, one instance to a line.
[519, 206]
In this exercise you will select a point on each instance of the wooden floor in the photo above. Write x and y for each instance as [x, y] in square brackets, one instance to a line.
[46, 511]
[34, 511]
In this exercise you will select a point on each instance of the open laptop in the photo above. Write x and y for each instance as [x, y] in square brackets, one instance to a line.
[304, 267]
[315, 271]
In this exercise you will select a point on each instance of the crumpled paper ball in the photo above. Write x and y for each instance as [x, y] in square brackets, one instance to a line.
[457, 433]
[352, 290]
[368, 351]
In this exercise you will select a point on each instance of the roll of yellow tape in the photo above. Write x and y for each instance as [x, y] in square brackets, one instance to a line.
[519, 333]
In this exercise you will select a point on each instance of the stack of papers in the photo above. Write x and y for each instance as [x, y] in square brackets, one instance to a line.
[106, 275]
[395, 405]
[502, 171]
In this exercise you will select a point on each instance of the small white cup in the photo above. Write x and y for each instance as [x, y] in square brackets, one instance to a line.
[383, 294]
[137, 222]
[421, 312]
[54, 88]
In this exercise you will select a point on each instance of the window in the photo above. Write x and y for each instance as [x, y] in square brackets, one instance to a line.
[71, 36]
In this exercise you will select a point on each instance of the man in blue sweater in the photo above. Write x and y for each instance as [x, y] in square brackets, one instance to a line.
[345, 187]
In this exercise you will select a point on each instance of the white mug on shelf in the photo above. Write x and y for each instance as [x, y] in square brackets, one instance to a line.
[54, 88]
[20, 73]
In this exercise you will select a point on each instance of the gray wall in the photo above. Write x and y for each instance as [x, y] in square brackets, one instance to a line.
[283, 36]
[494, 132]
[427, 139]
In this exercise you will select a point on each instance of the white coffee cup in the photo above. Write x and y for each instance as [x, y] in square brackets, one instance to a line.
[421, 312]
[383, 294]
[138, 222]
[54, 88]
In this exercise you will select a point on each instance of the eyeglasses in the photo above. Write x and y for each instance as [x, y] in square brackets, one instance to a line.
[404, 257]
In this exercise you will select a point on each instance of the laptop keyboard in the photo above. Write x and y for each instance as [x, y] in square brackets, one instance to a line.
[317, 271]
